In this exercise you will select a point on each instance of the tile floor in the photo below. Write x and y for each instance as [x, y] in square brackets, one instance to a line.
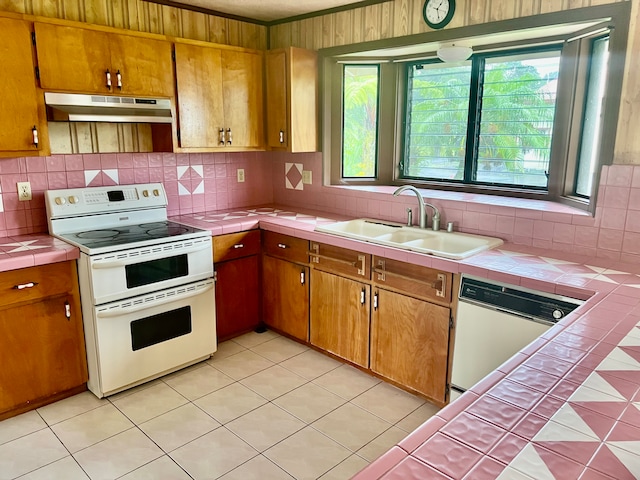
[264, 407]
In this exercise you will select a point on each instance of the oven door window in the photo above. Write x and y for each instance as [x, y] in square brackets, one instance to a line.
[160, 328]
[154, 271]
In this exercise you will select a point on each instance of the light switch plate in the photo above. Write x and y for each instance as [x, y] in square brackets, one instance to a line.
[306, 177]
[240, 173]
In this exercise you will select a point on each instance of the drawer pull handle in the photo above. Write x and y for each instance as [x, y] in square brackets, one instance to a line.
[333, 259]
[238, 245]
[439, 285]
[22, 286]
[282, 245]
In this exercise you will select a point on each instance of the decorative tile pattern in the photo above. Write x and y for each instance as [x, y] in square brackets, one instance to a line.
[293, 176]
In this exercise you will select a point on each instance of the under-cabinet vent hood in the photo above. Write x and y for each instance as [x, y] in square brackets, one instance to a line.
[74, 107]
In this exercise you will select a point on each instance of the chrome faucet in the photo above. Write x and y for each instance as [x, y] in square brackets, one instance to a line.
[422, 214]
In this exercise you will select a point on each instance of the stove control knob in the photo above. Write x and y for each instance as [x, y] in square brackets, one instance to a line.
[73, 199]
[558, 314]
[60, 200]
[156, 192]
[145, 193]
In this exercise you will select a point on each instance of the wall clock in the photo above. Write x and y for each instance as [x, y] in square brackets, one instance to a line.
[438, 13]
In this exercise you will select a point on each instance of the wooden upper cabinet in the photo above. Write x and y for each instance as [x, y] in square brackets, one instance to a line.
[145, 65]
[292, 99]
[242, 95]
[220, 97]
[200, 106]
[76, 59]
[22, 107]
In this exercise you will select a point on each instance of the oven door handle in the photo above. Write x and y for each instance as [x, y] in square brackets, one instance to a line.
[144, 306]
[132, 260]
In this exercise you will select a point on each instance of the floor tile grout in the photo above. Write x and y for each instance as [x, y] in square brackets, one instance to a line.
[353, 452]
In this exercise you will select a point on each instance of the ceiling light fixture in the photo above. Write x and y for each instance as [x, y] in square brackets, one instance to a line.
[454, 53]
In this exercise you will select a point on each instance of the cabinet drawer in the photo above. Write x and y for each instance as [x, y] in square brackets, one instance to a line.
[236, 245]
[340, 260]
[33, 283]
[412, 279]
[286, 247]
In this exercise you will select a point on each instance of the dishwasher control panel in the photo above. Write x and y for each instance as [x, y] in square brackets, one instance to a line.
[517, 300]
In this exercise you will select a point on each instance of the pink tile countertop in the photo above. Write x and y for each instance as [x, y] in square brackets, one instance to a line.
[31, 250]
[566, 407]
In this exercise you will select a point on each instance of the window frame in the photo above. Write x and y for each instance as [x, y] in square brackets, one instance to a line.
[568, 107]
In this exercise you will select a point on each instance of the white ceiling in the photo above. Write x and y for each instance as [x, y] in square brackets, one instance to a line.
[266, 10]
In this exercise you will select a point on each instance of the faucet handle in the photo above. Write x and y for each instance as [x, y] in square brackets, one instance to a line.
[409, 217]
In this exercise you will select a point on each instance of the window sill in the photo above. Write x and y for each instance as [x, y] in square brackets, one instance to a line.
[479, 201]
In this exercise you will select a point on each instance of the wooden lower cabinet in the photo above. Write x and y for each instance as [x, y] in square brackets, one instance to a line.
[237, 296]
[410, 342]
[340, 316]
[285, 290]
[43, 354]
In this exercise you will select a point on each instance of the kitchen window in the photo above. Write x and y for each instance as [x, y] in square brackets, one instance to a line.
[533, 118]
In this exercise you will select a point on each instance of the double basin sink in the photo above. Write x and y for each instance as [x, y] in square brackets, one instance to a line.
[453, 245]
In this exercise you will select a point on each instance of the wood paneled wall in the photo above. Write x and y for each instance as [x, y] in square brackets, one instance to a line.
[146, 17]
[398, 18]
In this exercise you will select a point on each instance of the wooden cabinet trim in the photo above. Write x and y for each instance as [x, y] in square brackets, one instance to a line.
[342, 261]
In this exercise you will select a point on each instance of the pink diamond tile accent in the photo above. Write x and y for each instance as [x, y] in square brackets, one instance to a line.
[580, 451]
[607, 462]
[559, 466]
[631, 415]
[447, 455]
[293, 176]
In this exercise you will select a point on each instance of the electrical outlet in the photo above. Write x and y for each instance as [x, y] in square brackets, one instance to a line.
[240, 173]
[24, 191]
[306, 177]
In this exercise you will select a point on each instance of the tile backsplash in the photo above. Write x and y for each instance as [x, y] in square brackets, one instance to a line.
[614, 233]
[207, 182]
[194, 182]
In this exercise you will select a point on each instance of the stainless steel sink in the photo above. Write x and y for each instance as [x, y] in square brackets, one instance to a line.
[453, 245]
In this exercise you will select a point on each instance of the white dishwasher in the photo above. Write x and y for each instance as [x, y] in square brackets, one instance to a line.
[496, 320]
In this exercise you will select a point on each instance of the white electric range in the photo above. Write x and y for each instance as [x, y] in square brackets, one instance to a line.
[146, 285]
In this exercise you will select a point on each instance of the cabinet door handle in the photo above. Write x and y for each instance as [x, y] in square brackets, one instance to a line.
[281, 136]
[22, 286]
[238, 245]
[229, 137]
[375, 301]
[119, 79]
[282, 245]
[361, 269]
[363, 296]
[108, 75]
[67, 310]
[34, 133]
[221, 136]
[302, 277]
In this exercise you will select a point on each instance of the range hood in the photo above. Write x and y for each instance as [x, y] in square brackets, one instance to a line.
[74, 107]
